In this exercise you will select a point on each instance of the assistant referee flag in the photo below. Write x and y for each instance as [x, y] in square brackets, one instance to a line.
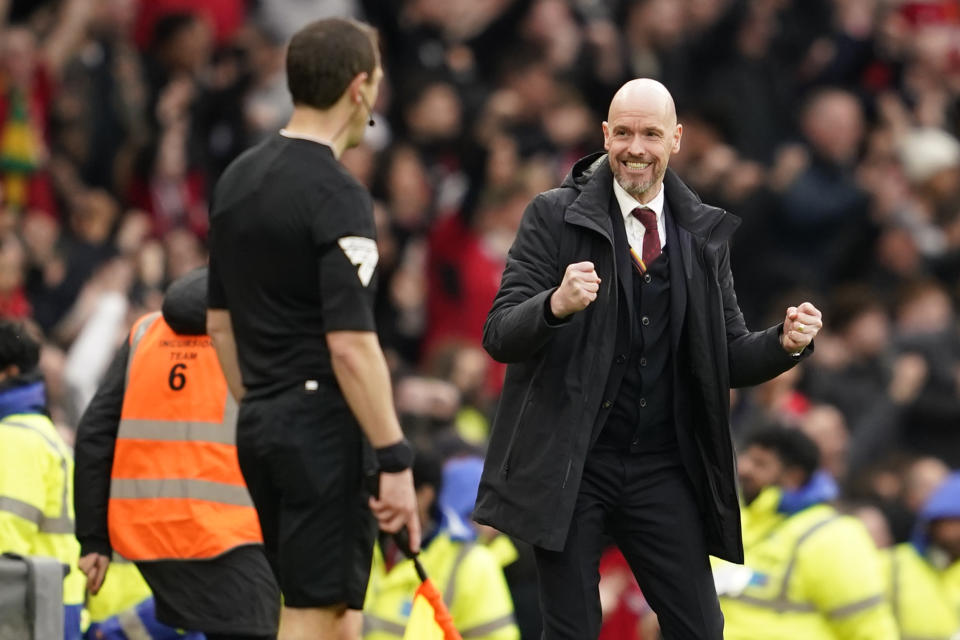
[429, 618]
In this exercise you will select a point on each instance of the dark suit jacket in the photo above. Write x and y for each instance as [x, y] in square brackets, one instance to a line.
[557, 374]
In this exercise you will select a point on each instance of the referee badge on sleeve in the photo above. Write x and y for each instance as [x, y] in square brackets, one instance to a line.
[361, 252]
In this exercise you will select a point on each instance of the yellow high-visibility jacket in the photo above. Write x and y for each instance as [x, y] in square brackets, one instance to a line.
[468, 576]
[950, 579]
[36, 496]
[503, 549]
[812, 575]
[918, 595]
[123, 589]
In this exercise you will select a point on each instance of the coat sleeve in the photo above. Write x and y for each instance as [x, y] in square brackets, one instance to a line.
[96, 441]
[839, 568]
[482, 607]
[753, 356]
[25, 490]
[517, 326]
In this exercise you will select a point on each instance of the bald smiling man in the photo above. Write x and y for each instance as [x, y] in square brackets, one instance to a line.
[619, 322]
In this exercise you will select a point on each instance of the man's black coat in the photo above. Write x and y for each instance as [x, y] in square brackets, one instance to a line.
[557, 373]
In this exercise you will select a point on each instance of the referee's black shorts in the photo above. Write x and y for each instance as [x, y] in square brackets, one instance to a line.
[301, 455]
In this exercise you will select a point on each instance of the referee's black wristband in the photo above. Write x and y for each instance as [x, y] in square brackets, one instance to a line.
[396, 457]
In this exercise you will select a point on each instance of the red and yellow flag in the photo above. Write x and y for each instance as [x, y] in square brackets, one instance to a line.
[429, 618]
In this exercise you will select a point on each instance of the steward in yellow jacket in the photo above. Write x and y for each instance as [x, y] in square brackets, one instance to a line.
[36, 470]
[923, 575]
[809, 572]
[461, 481]
[467, 574]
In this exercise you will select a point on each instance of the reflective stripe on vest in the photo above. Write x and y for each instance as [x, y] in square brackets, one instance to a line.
[782, 604]
[45, 524]
[895, 587]
[373, 622]
[133, 488]
[488, 627]
[176, 490]
[451, 590]
[854, 608]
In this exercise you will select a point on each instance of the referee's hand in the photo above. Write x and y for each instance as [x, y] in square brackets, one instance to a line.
[397, 506]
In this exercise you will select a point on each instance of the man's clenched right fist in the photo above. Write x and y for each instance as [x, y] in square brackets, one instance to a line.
[578, 289]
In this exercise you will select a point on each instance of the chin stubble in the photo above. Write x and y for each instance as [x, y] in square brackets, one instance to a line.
[635, 189]
[638, 189]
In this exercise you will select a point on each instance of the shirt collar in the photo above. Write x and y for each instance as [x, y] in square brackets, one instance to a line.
[302, 136]
[628, 203]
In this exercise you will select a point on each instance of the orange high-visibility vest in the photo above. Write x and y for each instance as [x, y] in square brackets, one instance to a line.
[176, 491]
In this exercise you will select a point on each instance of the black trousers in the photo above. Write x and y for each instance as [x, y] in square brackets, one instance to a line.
[645, 503]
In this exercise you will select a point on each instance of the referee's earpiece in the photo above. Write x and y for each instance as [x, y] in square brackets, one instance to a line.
[370, 122]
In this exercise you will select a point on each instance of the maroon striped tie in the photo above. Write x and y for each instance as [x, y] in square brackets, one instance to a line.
[651, 239]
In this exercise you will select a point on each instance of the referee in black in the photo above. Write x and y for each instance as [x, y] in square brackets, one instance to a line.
[291, 291]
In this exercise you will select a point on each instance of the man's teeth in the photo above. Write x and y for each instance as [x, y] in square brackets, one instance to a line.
[637, 165]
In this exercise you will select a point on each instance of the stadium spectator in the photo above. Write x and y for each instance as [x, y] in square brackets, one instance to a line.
[922, 576]
[36, 470]
[808, 572]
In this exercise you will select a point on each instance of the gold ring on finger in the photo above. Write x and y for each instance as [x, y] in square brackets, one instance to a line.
[801, 327]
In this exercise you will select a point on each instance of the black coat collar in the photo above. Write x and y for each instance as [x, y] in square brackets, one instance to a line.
[595, 184]
[592, 177]
[707, 223]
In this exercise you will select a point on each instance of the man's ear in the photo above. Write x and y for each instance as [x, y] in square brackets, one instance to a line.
[793, 478]
[353, 89]
[676, 139]
[11, 371]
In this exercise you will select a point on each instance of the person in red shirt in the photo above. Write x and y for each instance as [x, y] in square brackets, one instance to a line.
[225, 16]
[13, 301]
[464, 265]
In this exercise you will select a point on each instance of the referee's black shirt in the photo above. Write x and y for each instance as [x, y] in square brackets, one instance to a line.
[292, 256]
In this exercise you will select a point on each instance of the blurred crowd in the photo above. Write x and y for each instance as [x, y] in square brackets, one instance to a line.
[829, 126]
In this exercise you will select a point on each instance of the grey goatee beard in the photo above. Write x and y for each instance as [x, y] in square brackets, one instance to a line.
[636, 189]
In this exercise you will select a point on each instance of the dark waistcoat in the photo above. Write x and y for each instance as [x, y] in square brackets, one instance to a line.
[639, 394]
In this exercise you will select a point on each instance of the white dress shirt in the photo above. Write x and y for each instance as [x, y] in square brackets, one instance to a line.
[635, 228]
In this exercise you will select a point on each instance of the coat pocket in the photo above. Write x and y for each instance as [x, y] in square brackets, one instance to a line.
[518, 425]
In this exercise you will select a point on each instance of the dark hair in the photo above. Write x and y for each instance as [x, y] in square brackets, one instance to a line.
[169, 27]
[792, 446]
[812, 100]
[18, 346]
[427, 469]
[324, 56]
[849, 302]
[185, 303]
[913, 290]
[522, 58]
